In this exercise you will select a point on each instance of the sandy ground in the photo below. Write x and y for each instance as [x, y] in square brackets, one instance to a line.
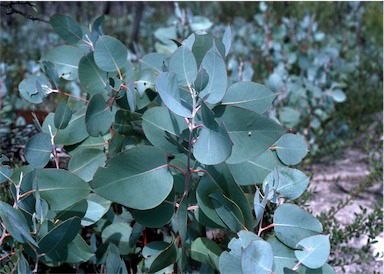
[332, 180]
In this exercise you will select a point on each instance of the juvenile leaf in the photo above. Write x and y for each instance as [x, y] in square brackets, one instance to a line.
[227, 39]
[28, 88]
[214, 145]
[98, 117]
[250, 132]
[50, 71]
[201, 80]
[5, 173]
[259, 207]
[202, 44]
[85, 162]
[200, 249]
[147, 81]
[38, 150]
[60, 236]
[183, 64]
[292, 224]
[60, 188]
[145, 170]
[257, 258]
[156, 217]
[168, 89]
[63, 115]
[153, 61]
[97, 207]
[110, 54]
[338, 96]
[289, 117]
[74, 133]
[182, 219]
[118, 234]
[127, 122]
[66, 28]
[66, 60]
[200, 23]
[291, 148]
[228, 211]
[288, 182]
[159, 120]
[254, 170]
[216, 69]
[92, 78]
[159, 255]
[221, 180]
[15, 223]
[315, 250]
[249, 95]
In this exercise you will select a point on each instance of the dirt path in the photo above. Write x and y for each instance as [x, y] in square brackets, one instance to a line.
[333, 180]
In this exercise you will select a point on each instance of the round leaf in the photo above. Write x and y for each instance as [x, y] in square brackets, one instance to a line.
[97, 207]
[159, 120]
[200, 23]
[257, 258]
[291, 148]
[145, 170]
[60, 188]
[183, 64]
[292, 224]
[38, 150]
[249, 95]
[92, 79]
[66, 60]
[201, 247]
[338, 96]
[118, 234]
[66, 28]
[251, 133]
[85, 162]
[29, 88]
[98, 117]
[159, 255]
[288, 182]
[315, 250]
[216, 69]
[168, 89]
[63, 115]
[110, 54]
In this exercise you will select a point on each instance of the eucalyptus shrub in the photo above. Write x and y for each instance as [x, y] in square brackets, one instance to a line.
[171, 168]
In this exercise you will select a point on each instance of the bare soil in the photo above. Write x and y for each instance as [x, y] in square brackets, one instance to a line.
[333, 179]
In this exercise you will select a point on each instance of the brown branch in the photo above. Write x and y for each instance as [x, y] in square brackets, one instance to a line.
[10, 9]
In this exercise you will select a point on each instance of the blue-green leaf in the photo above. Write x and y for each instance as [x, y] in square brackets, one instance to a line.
[92, 78]
[97, 207]
[249, 95]
[201, 249]
[63, 115]
[98, 117]
[85, 162]
[250, 132]
[183, 64]
[38, 150]
[29, 90]
[292, 224]
[227, 39]
[66, 60]
[257, 258]
[110, 54]
[314, 250]
[216, 69]
[66, 28]
[291, 148]
[167, 86]
[118, 234]
[159, 255]
[146, 170]
[157, 122]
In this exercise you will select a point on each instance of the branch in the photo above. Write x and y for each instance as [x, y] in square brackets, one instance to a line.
[10, 9]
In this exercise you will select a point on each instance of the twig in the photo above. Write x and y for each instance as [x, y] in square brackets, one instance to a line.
[10, 9]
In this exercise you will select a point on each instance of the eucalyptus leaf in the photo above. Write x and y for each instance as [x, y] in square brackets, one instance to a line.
[118, 234]
[91, 77]
[257, 258]
[291, 148]
[28, 88]
[146, 170]
[292, 224]
[168, 89]
[315, 250]
[66, 28]
[249, 95]
[66, 60]
[110, 54]
[159, 255]
[63, 115]
[183, 64]
[38, 150]
[227, 39]
[98, 117]
[60, 188]
[85, 162]
[201, 247]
